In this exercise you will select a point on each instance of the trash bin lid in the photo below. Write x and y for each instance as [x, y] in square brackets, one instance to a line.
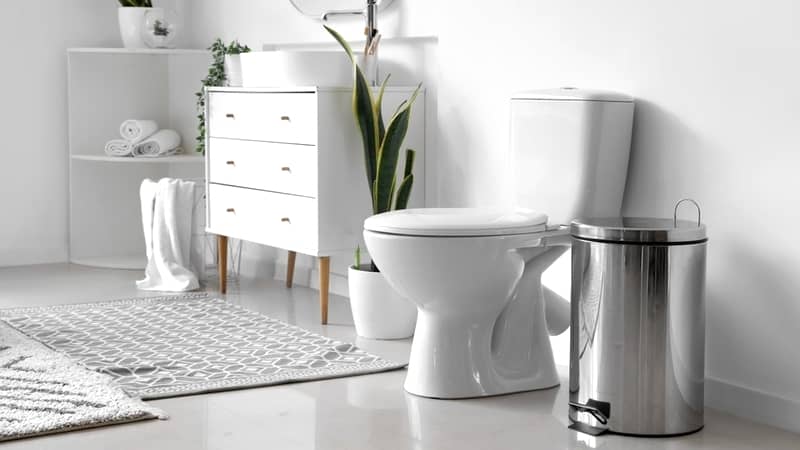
[642, 230]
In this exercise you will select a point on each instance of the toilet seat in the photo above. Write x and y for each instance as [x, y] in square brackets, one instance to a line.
[444, 222]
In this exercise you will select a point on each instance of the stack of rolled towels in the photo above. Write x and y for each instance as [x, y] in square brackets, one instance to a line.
[143, 138]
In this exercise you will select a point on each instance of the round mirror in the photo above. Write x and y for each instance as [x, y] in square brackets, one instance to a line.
[316, 8]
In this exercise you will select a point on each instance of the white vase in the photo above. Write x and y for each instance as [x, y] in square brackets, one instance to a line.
[131, 22]
[379, 312]
[233, 70]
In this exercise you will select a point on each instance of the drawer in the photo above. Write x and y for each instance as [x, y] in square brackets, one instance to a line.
[269, 166]
[264, 116]
[279, 220]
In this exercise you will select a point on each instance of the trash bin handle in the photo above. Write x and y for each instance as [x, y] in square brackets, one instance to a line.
[675, 212]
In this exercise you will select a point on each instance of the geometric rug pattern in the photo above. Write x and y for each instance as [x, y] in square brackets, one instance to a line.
[187, 344]
[42, 392]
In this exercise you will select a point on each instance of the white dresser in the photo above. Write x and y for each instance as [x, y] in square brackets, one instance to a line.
[285, 168]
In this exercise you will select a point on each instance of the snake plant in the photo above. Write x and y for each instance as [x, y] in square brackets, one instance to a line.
[382, 142]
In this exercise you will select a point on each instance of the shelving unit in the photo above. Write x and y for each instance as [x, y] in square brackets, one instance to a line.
[106, 87]
[177, 159]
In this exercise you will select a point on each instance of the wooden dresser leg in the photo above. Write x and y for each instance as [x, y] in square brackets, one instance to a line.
[324, 286]
[222, 262]
[290, 268]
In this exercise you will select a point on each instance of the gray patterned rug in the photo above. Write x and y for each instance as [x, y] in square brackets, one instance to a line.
[43, 391]
[189, 344]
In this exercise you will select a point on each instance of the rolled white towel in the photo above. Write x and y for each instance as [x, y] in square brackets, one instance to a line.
[118, 147]
[163, 143]
[135, 131]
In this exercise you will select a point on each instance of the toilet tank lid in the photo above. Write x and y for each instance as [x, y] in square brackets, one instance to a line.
[458, 222]
[573, 94]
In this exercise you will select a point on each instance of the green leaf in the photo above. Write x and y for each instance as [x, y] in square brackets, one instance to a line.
[379, 109]
[411, 155]
[387, 160]
[364, 113]
[388, 155]
[404, 193]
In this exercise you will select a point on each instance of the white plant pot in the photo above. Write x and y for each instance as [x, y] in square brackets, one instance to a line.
[233, 70]
[131, 22]
[378, 311]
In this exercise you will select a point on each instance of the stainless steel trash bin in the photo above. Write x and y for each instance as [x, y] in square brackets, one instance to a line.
[638, 325]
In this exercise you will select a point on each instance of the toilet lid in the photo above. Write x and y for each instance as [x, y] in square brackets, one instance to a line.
[457, 222]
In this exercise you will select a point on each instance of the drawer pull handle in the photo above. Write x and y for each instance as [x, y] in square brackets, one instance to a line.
[286, 118]
[230, 116]
[230, 163]
[286, 220]
[231, 210]
[286, 169]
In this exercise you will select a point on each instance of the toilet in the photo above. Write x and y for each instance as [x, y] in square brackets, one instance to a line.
[484, 318]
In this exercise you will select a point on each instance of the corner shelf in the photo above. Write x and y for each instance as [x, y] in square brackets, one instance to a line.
[105, 87]
[141, 51]
[182, 159]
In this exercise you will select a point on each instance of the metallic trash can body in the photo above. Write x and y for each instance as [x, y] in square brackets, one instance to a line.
[638, 326]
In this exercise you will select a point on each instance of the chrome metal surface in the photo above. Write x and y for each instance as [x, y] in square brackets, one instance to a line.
[675, 212]
[638, 230]
[638, 336]
[325, 9]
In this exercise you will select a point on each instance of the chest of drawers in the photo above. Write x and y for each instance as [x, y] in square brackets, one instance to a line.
[285, 168]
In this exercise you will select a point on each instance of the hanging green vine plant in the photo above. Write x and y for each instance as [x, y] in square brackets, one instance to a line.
[215, 77]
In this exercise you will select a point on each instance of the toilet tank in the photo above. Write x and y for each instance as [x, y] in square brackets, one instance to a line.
[569, 152]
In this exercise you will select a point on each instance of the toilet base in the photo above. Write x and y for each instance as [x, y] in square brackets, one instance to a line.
[451, 358]
[417, 394]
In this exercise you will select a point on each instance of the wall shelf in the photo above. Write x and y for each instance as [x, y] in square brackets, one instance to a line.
[177, 159]
[105, 87]
[141, 51]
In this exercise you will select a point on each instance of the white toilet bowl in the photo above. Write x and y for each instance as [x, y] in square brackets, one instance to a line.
[474, 275]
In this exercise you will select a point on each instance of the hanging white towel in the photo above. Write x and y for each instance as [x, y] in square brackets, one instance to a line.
[118, 147]
[167, 224]
[163, 143]
[135, 131]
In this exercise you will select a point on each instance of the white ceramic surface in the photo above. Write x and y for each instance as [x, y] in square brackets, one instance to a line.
[475, 274]
[569, 152]
[296, 68]
[233, 70]
[379, 312]
[131, 23]
[457, 221]
[481, 328]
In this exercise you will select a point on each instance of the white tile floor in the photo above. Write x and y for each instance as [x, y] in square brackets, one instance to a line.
[367, 412]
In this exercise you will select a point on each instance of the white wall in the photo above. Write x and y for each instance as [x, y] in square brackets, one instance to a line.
[718, 119]
[33, 120]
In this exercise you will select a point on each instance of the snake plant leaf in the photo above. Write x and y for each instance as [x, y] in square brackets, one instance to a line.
[411, 155]
[387, 160]
[364, 113]
[379, 109]
[388, 155]
[404, 192]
